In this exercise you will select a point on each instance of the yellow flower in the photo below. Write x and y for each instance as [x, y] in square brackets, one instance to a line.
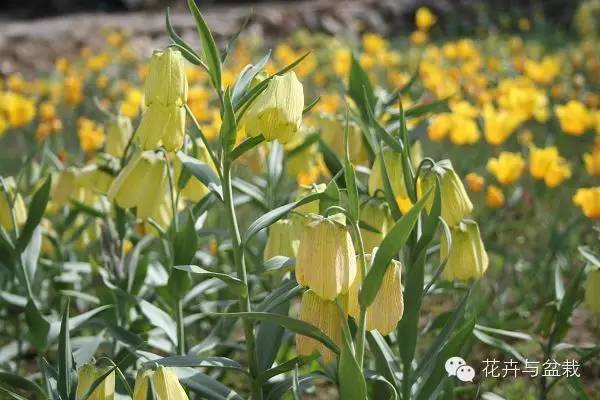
[141, 184]
[277, 112]
[47, 111]
[18, 206]
[395, 172]
[329, 103]
[283, 239]
[165, 385]
[592, 290]
[464, 130]
[119, 132]
[573, 117]
[94, 179]
[507, 167]
[466, 254]
[439, 127]
[166, 82]
[544, 71]
[162, 125]
[377, 215]
[547, 164]
[91, 135]
[19, 110]
[87, 374]
[592, 162]
[456, 204]
[332, 133]
[323, 314]
[373, 43]
[326, 260]
[475, 182]
[388, 306]
[130, 107]
[424, 19]
[499, 124]
[341, 62]
[418, 37]
[494, 197]
[588, 199]
[73, 89]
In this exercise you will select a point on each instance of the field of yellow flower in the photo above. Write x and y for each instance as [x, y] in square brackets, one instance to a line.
[334, 218]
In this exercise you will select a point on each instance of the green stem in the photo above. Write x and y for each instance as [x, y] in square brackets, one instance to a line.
[362, 320]
[244, 300]
[178, 306]
[180, 326]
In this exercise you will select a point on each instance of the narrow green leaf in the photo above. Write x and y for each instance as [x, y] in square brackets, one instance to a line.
[228, 130]
[390, 246]
[209, 47]
[22, 383]
[385, 359]
[247, 145]
[198, 362]
[234, 283]
[208, 387]
[276, 214]
[311, 105]
[295, 325]
[360, 89]
[352, 385]
[422, 109]
[35, 213]
[499, 344]
[202, 172]
[246, 77]
[38, 326]
[185, 48]
[65, 357]
[159, 319]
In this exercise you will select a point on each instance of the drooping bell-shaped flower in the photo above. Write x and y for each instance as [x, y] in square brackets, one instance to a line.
[323, 314]
[388, 306]
[277, 112]
[456, 204]
[87, 375]
[141, 184]
[326, 260]
[592, 291]
[467, 257]
[118, 134]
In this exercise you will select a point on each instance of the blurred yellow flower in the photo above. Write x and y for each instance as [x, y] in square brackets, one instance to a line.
[73, 89]
[592, 162]
[91, 135]
[588, 199]
[418, 37]
[373, 43]
[439, 126]
[498, 124]
[574, 118]
[464, 130]
[507, 167]
[424, 19]
[475, 182]
[544, 71]
[494, 197]
[547, 164]
[19, 110]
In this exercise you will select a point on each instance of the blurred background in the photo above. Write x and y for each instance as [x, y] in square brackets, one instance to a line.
[46, 29]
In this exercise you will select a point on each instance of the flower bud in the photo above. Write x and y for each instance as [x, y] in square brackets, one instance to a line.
[326, 260]
[455, 201]
[162, 125]
[388, 306]
[142, 384]
[166, 82]
[119, 132]
[377, 215]
[592, 291]
[18, 206]
[194, 190]
[277, 112]
[167, 385]
[323, 314]
[395, 171]
[468, 258]
[283, 239]
[87, 374]
[141, 184]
